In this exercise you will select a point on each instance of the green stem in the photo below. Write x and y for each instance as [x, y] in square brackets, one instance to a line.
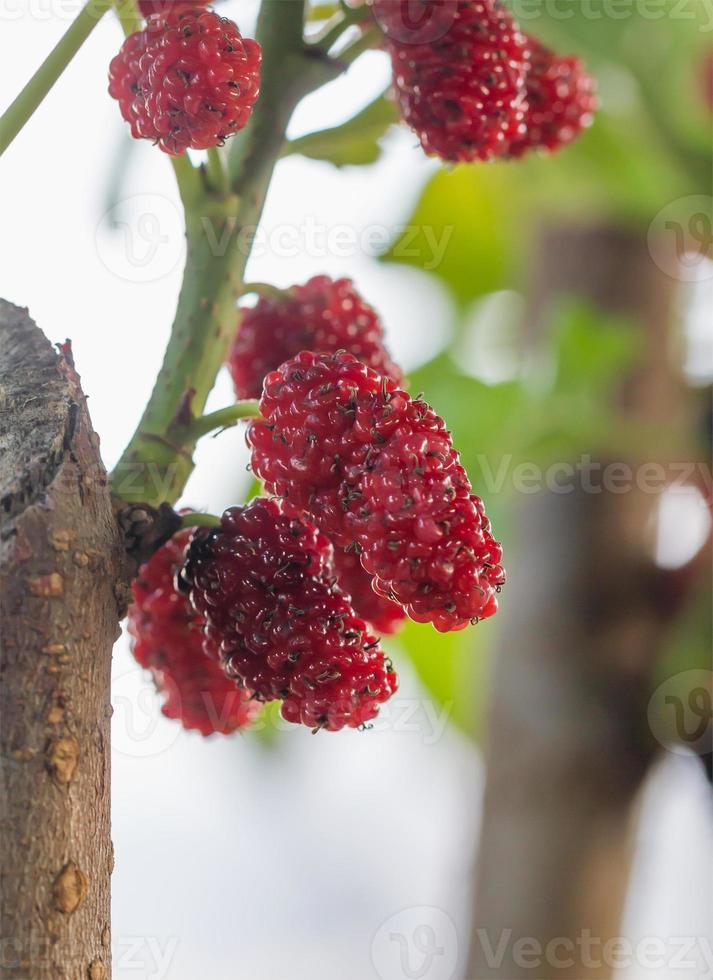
[129, 17]
[49, 71]
[215, 172]
[199, 520]
[266, 290]
[368, 40]
[222, 419]
[219, 232]
[348, 17]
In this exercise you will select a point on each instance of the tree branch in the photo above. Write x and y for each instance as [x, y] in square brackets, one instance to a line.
[63, 586]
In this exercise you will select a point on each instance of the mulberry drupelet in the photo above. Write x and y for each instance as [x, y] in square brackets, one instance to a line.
[461, 87]
[276, 621]
[323, 315]
[189, 79]
[377, 471]
[167, 639]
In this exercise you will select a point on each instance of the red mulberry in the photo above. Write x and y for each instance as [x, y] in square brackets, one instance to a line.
[561, 99]
[322, 315]
[167, 639]
[459, 74]
[276, 621]
[377, 470]
[189, 79]
[380, 612]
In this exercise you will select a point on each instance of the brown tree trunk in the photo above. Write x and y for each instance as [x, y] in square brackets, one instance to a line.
[61, 595]
[568, 744]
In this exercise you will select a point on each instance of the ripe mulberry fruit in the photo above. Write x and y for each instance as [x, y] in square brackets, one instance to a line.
[189, 79]
[376, 470]
[381, 613]
[167, 639]
[322, 315]
[277, 622]
[460, 76]
[561, 100]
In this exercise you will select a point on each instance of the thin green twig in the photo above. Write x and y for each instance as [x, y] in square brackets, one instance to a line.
[199, 520]
[224, 418]
[216, 173]
[32, 95]
[347, 17]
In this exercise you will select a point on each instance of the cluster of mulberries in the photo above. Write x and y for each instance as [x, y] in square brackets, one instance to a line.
[167, 639]
[372, 519]
[474, 87]
[278, 623]
[188, 79]
[377, 472]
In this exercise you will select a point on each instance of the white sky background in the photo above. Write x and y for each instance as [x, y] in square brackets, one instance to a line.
[234, 861]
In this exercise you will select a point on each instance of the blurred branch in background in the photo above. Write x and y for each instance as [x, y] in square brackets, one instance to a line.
[568, 745]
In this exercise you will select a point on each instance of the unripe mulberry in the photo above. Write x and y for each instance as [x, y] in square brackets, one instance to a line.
[459, 77]
[377, 471]
[322, 315]
[277, 622]
[561, 101]
[189, 79]
[383, 614]
[167, 639]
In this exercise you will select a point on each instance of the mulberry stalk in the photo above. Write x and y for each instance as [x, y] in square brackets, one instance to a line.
[277, 622]
[377, 471]
[167, 639]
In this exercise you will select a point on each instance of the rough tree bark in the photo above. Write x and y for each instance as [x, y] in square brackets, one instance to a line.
[62, 591]
[568, 745]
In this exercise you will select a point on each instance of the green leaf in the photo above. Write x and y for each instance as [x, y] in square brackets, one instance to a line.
[319, 12]
[453, 669]
[356, 142]
[466, 230]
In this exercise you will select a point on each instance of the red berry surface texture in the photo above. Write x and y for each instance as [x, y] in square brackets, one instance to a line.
[561, 101]
[323, 315]
[189, 79]
[167, 639]
[377, 471]
[381, 613]
[275, 619]
[459, 71]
